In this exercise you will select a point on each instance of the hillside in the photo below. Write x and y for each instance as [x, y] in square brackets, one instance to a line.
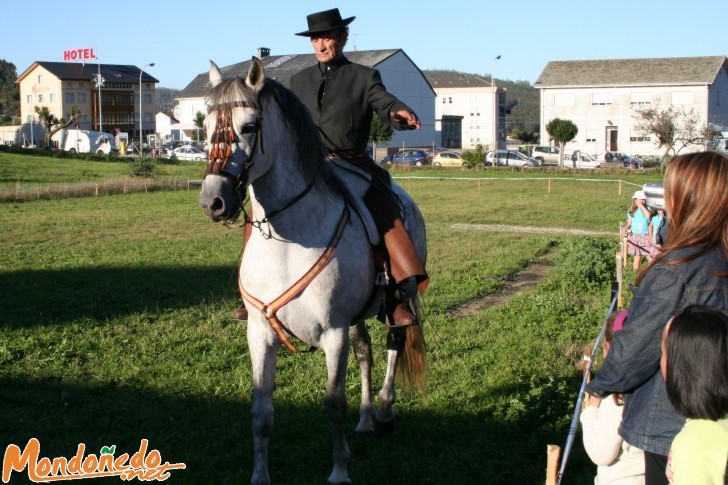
[165, 99]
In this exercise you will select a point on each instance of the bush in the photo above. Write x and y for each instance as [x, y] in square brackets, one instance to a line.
[585, 263]
[142, 167]
[474, 158]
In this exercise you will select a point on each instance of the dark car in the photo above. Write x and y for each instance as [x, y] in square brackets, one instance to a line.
[133, 149]
[408, 157]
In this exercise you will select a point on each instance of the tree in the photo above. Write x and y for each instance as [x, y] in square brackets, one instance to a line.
[52, 124]
[379, 132]
[525, 136]
[9, 92]
[562, 132]
[200, 134]
[674, 127]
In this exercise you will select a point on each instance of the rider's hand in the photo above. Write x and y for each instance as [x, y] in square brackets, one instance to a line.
[406, 118]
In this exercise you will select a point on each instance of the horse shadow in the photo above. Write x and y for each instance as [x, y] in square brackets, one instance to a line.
[38, 297]
[212, 436]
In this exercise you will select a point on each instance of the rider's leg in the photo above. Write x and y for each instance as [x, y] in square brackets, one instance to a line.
[406, 266]
[242, 312]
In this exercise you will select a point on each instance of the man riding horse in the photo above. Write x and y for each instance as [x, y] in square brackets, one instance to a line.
[342, 97]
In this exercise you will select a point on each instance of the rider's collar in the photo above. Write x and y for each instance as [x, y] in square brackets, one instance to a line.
[333, 65]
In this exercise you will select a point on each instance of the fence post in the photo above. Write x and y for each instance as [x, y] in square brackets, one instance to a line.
[549, 185]
[619, 280]
[620, 186]
[96, 190]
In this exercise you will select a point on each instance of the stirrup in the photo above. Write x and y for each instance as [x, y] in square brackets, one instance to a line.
[401, 300]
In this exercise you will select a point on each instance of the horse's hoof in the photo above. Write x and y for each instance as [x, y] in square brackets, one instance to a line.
[383, 428]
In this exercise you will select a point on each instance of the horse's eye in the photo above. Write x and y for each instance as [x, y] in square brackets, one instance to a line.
[247, 128]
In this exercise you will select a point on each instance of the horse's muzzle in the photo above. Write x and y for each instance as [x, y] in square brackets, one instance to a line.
[218, 198]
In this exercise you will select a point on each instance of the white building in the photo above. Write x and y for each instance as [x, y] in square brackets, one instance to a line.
[602, 97]
[469, 111]
[399, 74]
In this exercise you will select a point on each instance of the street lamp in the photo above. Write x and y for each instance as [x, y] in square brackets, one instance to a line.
[495, 110]
[151, 64]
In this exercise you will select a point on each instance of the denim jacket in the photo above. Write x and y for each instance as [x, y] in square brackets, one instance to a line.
[632, 366]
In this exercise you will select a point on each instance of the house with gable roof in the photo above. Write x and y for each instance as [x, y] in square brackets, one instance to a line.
[469, 110]
[399, 74]
[602, 98]
[62, 86]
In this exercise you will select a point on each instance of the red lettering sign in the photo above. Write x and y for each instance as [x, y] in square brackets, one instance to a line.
[79, 54]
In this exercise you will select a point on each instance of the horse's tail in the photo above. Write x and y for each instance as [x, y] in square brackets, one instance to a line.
[412, 366]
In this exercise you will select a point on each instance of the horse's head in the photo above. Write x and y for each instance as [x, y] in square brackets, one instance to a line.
[233, 126]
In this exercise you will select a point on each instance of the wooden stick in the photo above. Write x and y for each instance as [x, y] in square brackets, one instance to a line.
[619, 281]
[552, 463]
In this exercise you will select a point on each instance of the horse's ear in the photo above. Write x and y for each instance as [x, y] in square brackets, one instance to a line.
[256, 75]
[215, 75]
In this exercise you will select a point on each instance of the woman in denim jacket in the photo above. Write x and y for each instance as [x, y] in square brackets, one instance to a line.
[691, 269]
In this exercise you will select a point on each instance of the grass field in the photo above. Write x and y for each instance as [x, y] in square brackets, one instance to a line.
[115, 327]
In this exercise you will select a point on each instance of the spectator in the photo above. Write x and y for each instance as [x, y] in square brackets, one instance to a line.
[692, 268]
[617, 461]
[695, 367]
[657, 222]
[637, 229]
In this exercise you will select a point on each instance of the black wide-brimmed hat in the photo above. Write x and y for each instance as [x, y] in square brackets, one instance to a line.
[325, 21]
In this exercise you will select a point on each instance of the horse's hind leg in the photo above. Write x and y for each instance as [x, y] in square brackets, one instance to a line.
[263, 360]
[336, 346]
[388, 395]
[362, 345]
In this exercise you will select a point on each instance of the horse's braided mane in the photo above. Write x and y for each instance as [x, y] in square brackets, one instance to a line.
[309, 159]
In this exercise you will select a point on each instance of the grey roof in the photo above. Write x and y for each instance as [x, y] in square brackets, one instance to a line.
[281, 68]
[453, 79]
[621, 72]
[112, 73]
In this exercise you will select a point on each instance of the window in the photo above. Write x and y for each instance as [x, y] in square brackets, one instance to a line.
[40, 78]
[591, 136]
[449, 100]
[70, 98]
[29, 99]
[53, 97]
[40, 98]
[641, 99]
[444, 100]
[639, 138]
[601, 99]
[147, 99]
[564, 100]
[80, 84]
[81, 98]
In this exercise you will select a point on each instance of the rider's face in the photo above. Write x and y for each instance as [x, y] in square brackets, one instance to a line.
[328, 46]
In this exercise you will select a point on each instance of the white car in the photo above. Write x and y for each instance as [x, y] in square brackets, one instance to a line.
[509, 158]
[188, 153]
[579, 159]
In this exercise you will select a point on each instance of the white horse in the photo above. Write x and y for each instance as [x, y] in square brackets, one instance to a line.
[308, 269]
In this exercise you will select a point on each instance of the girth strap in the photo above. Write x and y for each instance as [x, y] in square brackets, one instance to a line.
[269, 310]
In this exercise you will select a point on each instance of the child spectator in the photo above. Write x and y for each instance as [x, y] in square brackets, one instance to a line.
[656, 223]
[617, 461]
[695, 367]
[637, 229]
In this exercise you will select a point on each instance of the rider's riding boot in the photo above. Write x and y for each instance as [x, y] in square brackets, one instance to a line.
[409, 274]
[242, 312]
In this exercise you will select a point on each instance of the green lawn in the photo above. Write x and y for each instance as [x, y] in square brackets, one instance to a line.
[115, 327]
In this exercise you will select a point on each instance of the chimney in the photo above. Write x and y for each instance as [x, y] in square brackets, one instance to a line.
[263, 52]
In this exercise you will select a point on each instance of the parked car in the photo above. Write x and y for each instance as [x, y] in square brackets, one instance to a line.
[579, 159]
[447, 159]
[545, 154]
[608, 158]
[188, 153]
[509, 158]
[407, 157]
[432, 152]
[133, 149]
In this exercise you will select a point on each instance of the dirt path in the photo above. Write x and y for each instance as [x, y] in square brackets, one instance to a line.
[525, 280]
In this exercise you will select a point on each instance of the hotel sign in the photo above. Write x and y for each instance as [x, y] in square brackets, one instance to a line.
[83, 54]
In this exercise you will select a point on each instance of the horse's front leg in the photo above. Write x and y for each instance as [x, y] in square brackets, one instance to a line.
[336, 346]
[361, 343]
[263, 350]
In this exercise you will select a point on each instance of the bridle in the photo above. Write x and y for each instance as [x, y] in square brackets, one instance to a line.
[224, 138]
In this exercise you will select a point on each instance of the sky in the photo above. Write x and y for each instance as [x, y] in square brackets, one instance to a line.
[463, 35]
